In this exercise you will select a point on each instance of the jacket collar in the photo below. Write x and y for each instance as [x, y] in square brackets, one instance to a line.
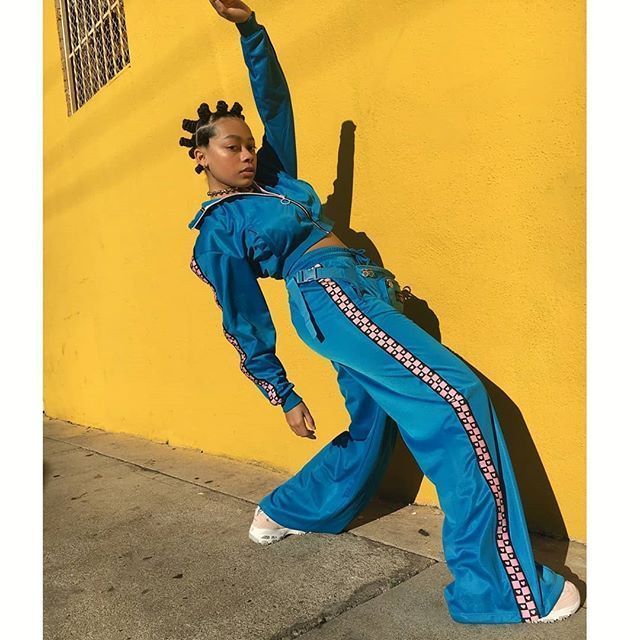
[207, 205]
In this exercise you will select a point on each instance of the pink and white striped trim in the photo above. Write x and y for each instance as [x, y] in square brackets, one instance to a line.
[270, 390]
[515, 574]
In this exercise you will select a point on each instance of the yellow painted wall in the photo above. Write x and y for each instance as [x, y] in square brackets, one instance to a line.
[486, 99]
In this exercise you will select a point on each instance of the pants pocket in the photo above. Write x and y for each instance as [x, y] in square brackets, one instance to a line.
[386, 289]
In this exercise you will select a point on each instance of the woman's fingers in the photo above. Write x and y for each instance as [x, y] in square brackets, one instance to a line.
[234, 10]
[309, 418]
[218, 6]
[300, 429]
[303, 431]
[298, 418]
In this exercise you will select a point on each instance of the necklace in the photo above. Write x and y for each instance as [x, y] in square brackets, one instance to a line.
[230, 190]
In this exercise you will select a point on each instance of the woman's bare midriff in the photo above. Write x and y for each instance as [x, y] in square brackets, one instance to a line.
[330, 240]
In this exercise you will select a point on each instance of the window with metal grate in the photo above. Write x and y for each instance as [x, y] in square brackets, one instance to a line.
[94, 46]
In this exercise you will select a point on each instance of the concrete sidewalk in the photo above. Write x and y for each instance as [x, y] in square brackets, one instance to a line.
[146, 541]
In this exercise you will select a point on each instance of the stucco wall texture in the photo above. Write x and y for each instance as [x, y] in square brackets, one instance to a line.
[468, 177]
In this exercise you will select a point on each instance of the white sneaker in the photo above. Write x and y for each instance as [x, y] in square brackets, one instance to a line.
[568, 603]
[269, 535]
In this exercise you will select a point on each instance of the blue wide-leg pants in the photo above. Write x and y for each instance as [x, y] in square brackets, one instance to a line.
[390, 368]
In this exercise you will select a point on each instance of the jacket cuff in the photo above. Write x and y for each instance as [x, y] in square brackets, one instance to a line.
[249, 26]
[291, 401]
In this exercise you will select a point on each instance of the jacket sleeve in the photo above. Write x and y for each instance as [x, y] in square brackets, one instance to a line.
[272, 98]
[247, 323]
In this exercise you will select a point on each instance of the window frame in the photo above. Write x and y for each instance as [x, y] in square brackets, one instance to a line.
[113, 56]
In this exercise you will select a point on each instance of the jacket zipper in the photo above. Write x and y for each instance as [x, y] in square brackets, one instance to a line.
[283, 200]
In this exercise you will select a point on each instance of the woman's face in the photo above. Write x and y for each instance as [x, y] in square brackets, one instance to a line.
[230, 153]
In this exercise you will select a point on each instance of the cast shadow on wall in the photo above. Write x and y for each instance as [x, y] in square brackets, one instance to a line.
[403, 476]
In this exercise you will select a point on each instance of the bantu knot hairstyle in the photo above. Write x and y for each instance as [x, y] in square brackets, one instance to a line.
[203, 129]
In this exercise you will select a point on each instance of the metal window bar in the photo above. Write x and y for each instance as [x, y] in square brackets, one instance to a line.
[93, 44]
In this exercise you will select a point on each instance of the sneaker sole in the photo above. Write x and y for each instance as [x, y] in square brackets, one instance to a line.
[269, 536]
[561, 614]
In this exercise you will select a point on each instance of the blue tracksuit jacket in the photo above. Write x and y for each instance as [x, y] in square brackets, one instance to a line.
[246, 236]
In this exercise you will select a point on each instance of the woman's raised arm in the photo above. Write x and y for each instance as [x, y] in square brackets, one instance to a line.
[270, 90]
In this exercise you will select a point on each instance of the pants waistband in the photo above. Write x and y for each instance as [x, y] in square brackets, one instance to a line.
[304, 271]
[348, 272]
[317, 255]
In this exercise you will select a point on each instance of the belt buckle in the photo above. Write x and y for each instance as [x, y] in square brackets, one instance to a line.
[310, 273]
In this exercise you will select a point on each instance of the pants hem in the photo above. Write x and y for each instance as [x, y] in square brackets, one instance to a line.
[485, 618]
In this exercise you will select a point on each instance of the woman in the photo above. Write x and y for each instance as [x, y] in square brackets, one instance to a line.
[264, 221]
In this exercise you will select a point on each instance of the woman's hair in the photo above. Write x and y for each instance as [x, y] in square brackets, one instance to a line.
[204, 127]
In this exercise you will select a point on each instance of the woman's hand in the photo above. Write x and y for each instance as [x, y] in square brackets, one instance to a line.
[232, 10]
[296, 420]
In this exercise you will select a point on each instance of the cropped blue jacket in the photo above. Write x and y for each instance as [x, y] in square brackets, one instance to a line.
[246, 236]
